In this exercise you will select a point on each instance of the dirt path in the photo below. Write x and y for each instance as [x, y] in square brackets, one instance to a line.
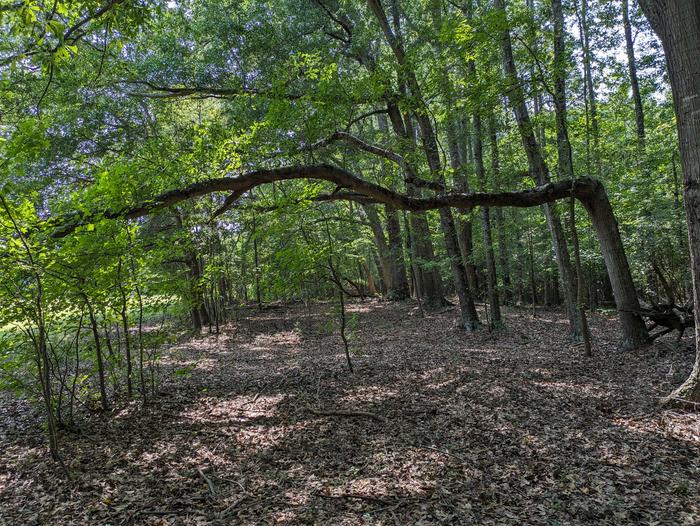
[513, 427]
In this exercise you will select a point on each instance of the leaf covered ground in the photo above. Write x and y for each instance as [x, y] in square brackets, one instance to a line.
[509, 427]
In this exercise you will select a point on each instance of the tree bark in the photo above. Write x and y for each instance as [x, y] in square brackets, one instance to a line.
[469, 317]
[461, 181]
[380, 242]
[503, 256]
[677, 23]
[399, 283]
[104, 402]
[428, 282]
[589, 85]
[566, 165]
[390, 253]
[540, 173]
[486, 224]
[634, 81]
[604, 223]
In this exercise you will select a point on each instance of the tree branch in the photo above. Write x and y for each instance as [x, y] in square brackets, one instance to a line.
[582, 189]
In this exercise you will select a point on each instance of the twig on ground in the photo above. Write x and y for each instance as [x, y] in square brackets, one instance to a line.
[362, 414]
[206, 479]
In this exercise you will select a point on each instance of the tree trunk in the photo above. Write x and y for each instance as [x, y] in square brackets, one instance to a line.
[390, 254]
[399, 283]
[469, 318]
[589, 85]
[428, 281]
[125, 326]
[566, 165]
[634, 81]
[678, 25]
[464, 223]
[104, 402]
[380, 242]
[503, 257]
[540, 173]
[486, 224]
[604, 222]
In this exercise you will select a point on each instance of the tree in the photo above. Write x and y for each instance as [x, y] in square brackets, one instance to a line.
[677, 23]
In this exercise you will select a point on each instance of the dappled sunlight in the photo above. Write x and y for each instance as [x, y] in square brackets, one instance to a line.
[271, 419]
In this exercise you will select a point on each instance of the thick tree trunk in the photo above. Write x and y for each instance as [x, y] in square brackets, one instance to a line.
[677, 23]
[634, 81]
[390, 252]
[380, 242]
[604, 222]
[399, 283]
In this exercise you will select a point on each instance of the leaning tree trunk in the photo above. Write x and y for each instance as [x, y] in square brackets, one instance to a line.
[677, 23]
[605, 224]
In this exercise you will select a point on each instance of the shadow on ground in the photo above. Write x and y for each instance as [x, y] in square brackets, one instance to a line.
[509, 427]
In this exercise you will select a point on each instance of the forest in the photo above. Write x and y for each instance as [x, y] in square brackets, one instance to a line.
[349, 262]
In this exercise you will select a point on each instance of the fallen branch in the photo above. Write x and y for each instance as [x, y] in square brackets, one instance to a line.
[206, 479]
[361, 414]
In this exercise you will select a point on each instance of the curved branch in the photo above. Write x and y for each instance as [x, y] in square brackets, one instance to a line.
[359, 143]
[385, 153]
[583, 189]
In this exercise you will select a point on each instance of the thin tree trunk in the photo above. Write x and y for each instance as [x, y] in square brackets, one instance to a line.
[125, 326]
[98, 353]
[540, 174]
[469, 317]
[428, 281]
[503, 256]
[566, 166]
[634, 81]
[457, 140]
[590, 89]
[256, 260]
[486, 224]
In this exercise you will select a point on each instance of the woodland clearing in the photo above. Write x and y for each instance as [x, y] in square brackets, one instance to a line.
[508, 427]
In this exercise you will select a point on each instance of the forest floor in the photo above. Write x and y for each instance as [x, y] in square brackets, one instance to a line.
[510, 427]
